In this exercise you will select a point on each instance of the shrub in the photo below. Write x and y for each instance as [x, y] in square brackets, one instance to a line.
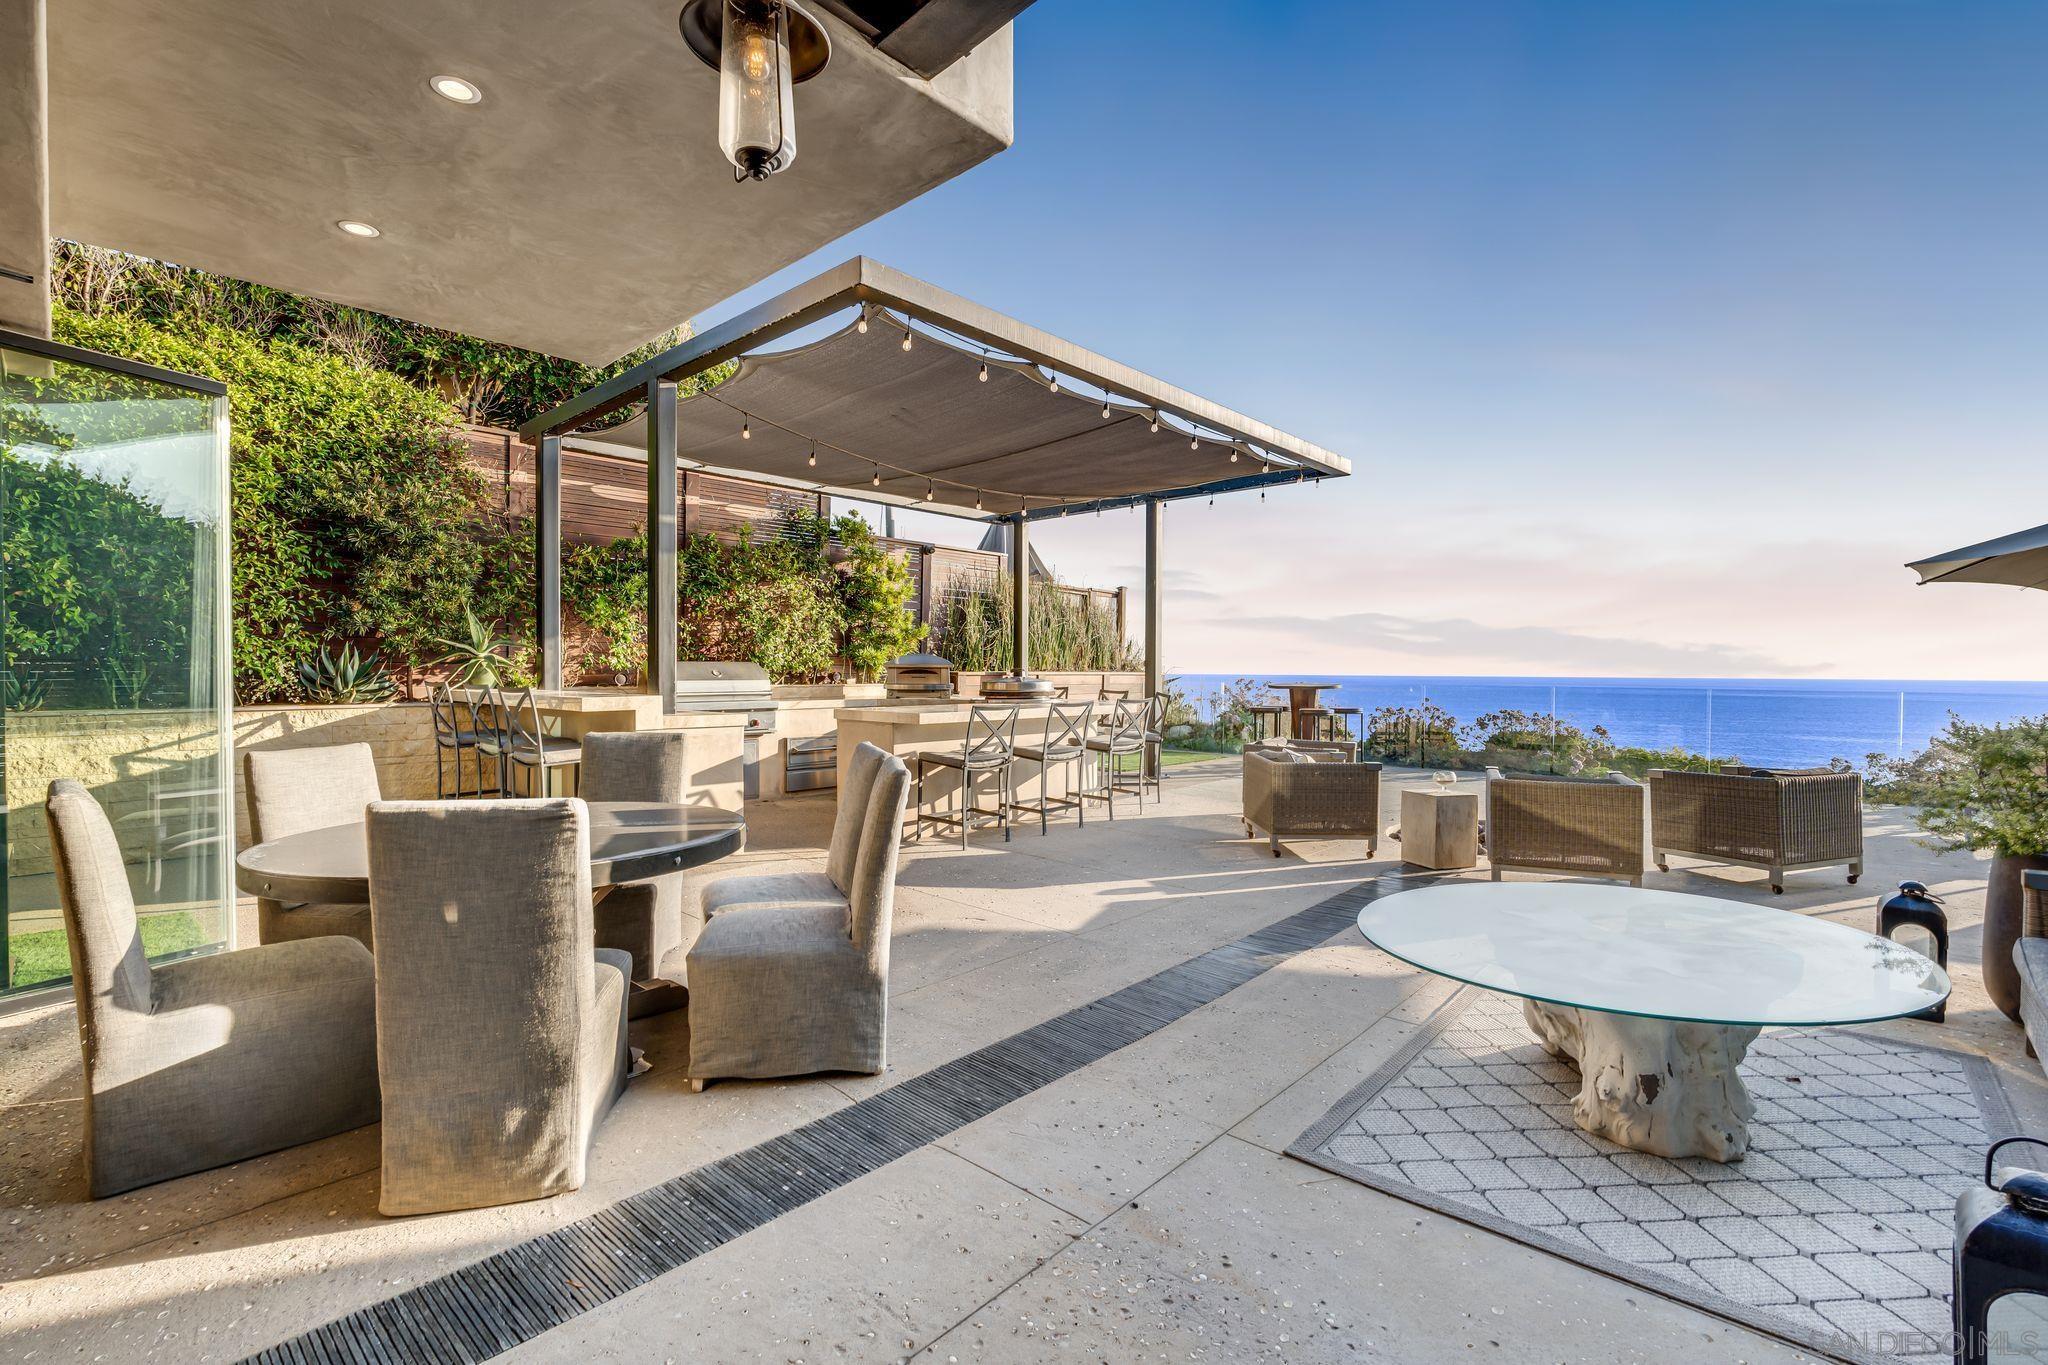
[875, 593]
[354, 510]
[606, 586]
[1982, 787]
[772, 602]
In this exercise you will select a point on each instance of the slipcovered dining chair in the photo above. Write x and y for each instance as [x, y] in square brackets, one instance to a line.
[644, 919]
[791, 972]
[295, 790]
[501, 1027]
[209, 1060]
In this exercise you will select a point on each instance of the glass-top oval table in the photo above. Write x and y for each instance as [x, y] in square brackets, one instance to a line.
[1653, 995]
[630, 841]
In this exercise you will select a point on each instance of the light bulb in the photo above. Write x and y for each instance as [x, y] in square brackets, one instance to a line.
[927, 492]
[906, 340]
[1105, 409]
[877, 480]
[1194, 443]
[1233, 456]
[984, 372]
[1055, 385]
[862, 325]
[977, 499]
[1155, 423]
[747, 430]
[813, 460]
[754, 57]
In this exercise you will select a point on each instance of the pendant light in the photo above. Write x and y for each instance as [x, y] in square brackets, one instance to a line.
[762, 50]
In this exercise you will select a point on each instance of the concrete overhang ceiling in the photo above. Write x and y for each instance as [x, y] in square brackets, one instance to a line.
[579, 209]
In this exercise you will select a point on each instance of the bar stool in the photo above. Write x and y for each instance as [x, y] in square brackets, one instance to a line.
[455, 729]
[1125, 734]
[1155, 742]
[1315, 723]
[990, 746]
[1348, 718]
[519, 740]
[1067, 728]
[1268, 720]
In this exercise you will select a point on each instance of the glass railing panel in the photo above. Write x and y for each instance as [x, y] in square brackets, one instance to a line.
[113, 504]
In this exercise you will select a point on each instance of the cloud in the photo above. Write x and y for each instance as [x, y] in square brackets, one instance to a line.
[1522, 648]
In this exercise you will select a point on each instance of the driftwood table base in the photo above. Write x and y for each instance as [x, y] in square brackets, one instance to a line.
[1653, 1085]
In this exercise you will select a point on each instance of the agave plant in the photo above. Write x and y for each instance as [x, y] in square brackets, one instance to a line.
[18, 693]
[478, 658]
[346, 677]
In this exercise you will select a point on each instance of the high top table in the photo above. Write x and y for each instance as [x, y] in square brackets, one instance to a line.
[1654, 996]
[1300, 696]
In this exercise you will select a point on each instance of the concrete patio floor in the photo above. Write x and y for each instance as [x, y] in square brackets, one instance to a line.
[1137, 1209]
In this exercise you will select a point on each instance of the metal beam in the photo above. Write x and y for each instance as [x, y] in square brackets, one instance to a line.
[24, 168]
[861, 280]
[661, 542]
[547, 558]
[1155, 624]
[940, 32]
[1020, 594]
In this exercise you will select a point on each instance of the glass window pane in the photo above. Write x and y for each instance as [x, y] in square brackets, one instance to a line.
[112, 511]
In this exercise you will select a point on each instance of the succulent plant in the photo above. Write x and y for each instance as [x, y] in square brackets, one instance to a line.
[346, 677]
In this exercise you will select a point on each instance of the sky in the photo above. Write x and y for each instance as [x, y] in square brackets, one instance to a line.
[1659, 335]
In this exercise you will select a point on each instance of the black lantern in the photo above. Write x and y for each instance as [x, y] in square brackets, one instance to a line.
[1914, 919]
[761, 50]
[2001, 1265]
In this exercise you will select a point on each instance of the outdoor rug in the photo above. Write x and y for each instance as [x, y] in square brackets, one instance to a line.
[1833, 1233]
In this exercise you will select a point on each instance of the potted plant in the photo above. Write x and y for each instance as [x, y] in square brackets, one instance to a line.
[1985, 788]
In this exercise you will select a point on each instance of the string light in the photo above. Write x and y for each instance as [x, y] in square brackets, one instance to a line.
[877, 480]
[1155, 424]
[906, 338]
[1194, 443]
[747, 429]
[984, 372]
[862, 325]
[1233, 454]
[813, 460]
[977, 499]
[927, 492]
[1105, 407]
[1054, 387]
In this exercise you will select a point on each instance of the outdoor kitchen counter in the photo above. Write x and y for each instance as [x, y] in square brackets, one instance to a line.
[717, 754]
[906, 728]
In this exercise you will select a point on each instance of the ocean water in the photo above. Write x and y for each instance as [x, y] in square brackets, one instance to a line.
[1772, 721]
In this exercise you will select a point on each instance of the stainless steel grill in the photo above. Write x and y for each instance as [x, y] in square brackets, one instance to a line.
[717, 685]
[1015, 687]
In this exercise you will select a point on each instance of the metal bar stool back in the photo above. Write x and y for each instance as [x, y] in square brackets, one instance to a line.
[1067, 727]
[1155, 740]
[455, 737]
[1124, 734]
[521, 741]
[989, 746]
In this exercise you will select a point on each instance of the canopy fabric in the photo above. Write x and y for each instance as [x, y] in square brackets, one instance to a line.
[929, 426]
[2019, 560]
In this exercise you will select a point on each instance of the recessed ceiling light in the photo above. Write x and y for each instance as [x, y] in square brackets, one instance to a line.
[355, 229]
[457, 89]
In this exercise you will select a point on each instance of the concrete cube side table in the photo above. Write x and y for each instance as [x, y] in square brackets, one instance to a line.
[1439, 829]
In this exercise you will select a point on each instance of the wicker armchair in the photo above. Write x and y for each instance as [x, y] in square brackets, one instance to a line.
[2030, 955]
[1582, 827]
[1310, 791]
[1782, 822]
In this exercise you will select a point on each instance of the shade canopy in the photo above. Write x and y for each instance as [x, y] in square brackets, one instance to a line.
[978, 416]
[2018, 560]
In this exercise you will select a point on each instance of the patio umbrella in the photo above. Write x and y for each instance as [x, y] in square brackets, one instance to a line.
[2019, 559]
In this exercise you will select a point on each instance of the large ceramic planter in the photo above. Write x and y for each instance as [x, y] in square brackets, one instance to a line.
[2004, 913]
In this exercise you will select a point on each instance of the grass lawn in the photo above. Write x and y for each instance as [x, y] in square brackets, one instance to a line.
[41, 956]
[1172, 758]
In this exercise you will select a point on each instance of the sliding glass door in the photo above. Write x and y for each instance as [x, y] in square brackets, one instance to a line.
[113, 514]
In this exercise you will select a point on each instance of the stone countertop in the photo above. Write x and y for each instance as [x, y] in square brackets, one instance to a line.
[919, 713]
[616, 700]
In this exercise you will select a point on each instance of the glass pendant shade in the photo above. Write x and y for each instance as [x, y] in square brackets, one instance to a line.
[756, 107]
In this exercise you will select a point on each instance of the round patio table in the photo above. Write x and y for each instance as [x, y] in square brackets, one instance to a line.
[1653, 995]
[1300, 696]
[629, 841]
